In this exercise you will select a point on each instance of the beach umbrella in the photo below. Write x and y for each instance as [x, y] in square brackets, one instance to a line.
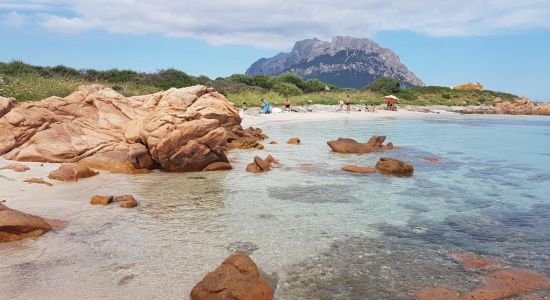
[391, 98]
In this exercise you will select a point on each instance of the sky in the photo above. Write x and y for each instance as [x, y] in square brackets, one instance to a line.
[503, 44]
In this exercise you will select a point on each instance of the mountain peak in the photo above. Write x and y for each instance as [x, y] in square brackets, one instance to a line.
[345, 61]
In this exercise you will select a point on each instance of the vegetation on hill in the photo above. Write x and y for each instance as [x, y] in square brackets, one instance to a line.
[29, 83]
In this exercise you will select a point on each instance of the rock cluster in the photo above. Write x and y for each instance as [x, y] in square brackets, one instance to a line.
[236, 278]
[183, 129]
[249, 140]
[522, 106]
[345, 145]
[261, 165]
[16, 225]
[394, 166]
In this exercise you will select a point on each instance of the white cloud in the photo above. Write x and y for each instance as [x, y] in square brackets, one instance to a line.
[277, 24]
[13, 20]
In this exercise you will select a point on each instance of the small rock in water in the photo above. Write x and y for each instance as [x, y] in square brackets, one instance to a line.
[101, 200]
[126, 201]
[71, 172]
[242, 247]
[294, 141]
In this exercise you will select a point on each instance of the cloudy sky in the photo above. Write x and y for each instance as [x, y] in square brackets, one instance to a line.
[501, 43]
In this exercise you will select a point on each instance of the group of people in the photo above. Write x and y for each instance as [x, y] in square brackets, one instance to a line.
[266, 106]
[368, 108]
[267, 109]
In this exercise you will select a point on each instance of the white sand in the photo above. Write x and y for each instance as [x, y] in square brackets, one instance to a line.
[258, 120]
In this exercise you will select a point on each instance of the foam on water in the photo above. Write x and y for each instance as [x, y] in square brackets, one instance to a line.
[307, 223]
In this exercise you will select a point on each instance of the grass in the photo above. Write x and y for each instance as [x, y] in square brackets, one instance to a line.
[26, 82]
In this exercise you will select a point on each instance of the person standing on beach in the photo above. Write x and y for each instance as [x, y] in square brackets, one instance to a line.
[348, 104]
[286, 104]
[340, 105]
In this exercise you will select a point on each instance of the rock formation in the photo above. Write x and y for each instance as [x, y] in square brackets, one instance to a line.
[345, 145]
[469, 87]
[522, 106]
[176, 130]
[218, 166]
[394, 166]
[16, 225]
[358, 169]
[345, 62]
[236, 278]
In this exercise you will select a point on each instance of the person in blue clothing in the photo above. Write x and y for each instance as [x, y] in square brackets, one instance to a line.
[266, 107]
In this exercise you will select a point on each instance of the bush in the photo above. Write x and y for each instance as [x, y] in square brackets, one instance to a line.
[290, 78]
[314, 85]
[242, 78]
[18, 68]
[384, 85]
[170, 78]
[262, 81]
[286, 89]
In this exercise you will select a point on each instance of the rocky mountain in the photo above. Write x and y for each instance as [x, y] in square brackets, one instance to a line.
[344, 62]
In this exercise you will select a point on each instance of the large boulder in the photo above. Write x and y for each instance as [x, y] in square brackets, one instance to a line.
[394, 166]
[183, 129]
[16, 225]
[345, 145]
[236, 278]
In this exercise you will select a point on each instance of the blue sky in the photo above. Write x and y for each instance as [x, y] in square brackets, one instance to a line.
[502, 44]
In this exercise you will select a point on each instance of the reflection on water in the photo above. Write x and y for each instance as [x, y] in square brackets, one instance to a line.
[322, 233]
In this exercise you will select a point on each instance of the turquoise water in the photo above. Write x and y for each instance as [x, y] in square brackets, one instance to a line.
[316, 231]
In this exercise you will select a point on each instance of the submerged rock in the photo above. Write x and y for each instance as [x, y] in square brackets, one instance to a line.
[242, 247]
[38, 181]
[497, 285]
[236, 278]
[472, 260]
[218, 166]
[358, 169]
[16, 225]
[71, 172]
[16, 167]
[394, 166]
[183, 129]
[345, 145]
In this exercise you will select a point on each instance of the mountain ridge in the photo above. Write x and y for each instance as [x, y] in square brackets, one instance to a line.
[345, 62]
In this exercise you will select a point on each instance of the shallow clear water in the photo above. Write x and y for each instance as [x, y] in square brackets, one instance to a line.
[316, 231]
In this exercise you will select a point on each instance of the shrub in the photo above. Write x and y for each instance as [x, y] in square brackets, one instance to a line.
[286, 89]
[384, 85]
[18, 68]
[242, 78]
[262, 81]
